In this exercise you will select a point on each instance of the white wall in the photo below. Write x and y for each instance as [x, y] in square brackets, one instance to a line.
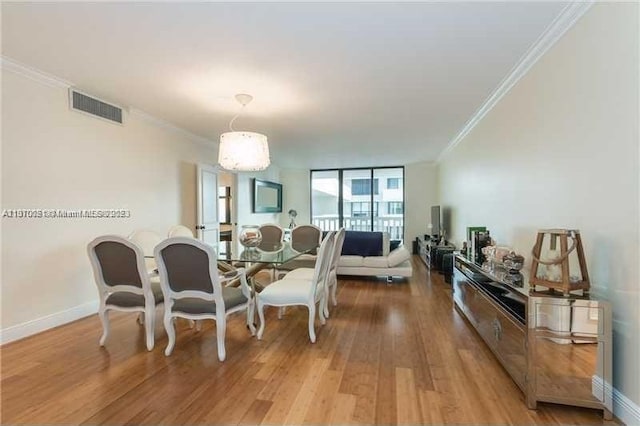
[561, 150]
[53, 157]
[244, 196]
[296, 186]
[421, 192]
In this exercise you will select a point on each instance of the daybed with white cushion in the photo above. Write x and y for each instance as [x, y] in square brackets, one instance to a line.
[364, 254]
[368, 254]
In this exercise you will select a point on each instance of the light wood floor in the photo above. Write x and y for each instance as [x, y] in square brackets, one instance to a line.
[395, 354]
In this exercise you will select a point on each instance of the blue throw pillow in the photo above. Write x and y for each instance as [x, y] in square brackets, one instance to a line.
[362, 243]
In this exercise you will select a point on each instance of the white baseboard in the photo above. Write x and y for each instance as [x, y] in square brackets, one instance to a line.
[625, 409]
[29, 328]
[600, 388]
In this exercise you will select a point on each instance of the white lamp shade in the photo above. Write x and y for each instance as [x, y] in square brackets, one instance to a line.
[243, 151]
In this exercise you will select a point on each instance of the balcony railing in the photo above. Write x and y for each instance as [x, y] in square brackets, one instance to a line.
[393, 225]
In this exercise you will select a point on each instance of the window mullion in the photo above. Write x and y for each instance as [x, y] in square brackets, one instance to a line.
[340, 204]
[371, 192]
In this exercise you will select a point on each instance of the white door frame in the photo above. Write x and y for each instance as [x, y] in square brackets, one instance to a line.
[208, 228]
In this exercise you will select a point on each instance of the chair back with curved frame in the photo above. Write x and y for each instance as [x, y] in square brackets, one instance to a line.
[147, 240]
[272, 241]
[193, 289]
[323, 264]
[305, 237]
[272, 237]
[179, 231]
[332, 275]
[123, 282]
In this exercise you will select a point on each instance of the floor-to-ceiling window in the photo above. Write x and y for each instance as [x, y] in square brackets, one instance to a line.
[363, 199]
[325, 196]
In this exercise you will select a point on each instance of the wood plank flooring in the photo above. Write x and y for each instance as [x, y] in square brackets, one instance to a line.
[389, 354]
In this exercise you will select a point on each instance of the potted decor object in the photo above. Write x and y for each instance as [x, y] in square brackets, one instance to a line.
[551, 269]
[250, 236]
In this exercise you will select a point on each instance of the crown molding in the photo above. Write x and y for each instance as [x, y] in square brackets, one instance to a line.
[35, 74]
[170, 126]
[51, 80]
[560, 25]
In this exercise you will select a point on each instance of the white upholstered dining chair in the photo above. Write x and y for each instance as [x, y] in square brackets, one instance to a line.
[304, 238]
[272, 241]
[147, 240]
[300, 292]
[179, 231]
[123, 283]
[332, 274]
[272, 236]
[193, 288]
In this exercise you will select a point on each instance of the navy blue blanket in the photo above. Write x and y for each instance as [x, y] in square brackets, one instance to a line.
[362, 243]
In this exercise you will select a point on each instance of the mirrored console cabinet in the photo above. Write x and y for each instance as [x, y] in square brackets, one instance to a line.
[556, 349]
[430, 252]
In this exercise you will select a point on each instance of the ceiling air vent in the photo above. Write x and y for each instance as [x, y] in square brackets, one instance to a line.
[89, 105]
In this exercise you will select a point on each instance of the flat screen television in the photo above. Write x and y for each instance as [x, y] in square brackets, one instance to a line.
[436, 222]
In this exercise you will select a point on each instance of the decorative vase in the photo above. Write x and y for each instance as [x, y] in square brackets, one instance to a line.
[557, 270]
[250, 236]
[513, 262]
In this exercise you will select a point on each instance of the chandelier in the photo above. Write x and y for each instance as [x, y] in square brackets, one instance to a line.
[243, 151]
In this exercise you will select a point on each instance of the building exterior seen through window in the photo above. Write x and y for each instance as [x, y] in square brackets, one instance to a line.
[395, 207]
[393, 183]
[363, 187]
[362, 209]
[367, 199]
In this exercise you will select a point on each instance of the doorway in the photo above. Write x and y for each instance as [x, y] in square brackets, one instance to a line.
[227, 205]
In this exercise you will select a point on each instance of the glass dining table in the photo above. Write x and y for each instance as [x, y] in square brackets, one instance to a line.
[278, 253]
[232, 253]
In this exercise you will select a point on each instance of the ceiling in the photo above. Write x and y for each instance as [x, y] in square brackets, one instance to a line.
[335, 84]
